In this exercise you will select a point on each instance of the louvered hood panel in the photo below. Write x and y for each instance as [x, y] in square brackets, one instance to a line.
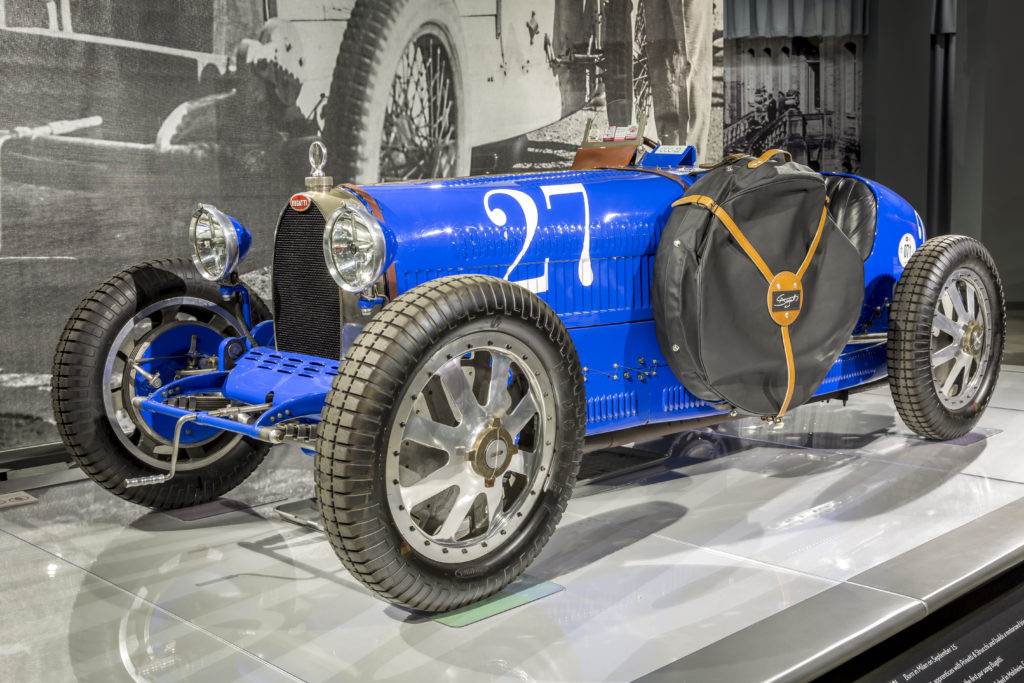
[583, 241]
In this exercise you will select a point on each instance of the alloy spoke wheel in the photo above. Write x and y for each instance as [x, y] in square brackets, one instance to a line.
[471, 450]
[961, 340]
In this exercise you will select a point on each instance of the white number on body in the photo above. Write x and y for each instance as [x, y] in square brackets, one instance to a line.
[586, 272]
[530, 214]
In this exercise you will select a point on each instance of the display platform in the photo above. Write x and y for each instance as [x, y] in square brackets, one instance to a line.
[740, 553]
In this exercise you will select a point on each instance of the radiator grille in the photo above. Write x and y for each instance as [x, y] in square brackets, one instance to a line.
[307, 314]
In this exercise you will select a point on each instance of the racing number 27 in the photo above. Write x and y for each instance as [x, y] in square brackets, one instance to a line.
[530, 214]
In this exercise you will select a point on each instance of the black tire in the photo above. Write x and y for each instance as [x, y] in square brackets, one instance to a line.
[79, 389]
[919, 347]
[376, 387]
[362, 135]
[627, 78]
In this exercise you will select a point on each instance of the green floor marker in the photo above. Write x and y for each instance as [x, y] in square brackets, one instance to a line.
[524, 590]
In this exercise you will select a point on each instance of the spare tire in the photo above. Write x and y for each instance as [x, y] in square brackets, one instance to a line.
[756, 290]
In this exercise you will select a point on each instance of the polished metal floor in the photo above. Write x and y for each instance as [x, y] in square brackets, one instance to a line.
[747, 554]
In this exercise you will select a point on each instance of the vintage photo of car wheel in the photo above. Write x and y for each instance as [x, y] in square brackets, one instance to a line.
[164, 316]
[626, 75]
[396, 108]
[946, 335]
[450, 442]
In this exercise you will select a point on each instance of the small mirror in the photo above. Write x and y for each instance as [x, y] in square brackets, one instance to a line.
[317, 158]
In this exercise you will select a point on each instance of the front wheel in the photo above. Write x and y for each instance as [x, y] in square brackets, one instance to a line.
[450, 442]
[946, 330]
[142, 329]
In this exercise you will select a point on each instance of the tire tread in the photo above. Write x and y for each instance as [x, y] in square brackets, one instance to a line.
[373, 373]
[77, 407]
[908, 352]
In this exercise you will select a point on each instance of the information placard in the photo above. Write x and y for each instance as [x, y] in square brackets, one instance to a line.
[13, 498]
[985, 646]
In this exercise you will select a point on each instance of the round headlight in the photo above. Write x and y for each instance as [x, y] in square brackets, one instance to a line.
[354, 247]
[219, 243]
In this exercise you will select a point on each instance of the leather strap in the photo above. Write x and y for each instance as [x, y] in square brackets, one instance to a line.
[748, 248]
[664, 174]
[724, 161]
[365, 196]
[730, 225]
[754, 163]
[787, 346]
[814, 243]
[768, 155]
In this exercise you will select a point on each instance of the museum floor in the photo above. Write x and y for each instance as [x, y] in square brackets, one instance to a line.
[799, 549]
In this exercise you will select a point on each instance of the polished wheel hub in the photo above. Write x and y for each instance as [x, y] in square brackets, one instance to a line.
[493, 452]
[974, 338]
[960, 346]
[472, 449]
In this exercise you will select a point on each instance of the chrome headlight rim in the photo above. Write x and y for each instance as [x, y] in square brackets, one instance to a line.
[227, 228]
[359, 213]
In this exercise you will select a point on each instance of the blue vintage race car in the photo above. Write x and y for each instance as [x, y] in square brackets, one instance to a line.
[449, 349]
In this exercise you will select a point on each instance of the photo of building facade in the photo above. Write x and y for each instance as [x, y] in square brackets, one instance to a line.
[800, 91]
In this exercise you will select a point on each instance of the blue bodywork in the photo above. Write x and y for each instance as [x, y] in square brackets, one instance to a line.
[585, 243]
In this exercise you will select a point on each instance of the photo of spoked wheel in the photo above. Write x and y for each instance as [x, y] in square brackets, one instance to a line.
[626, 73]
[450, 442]
[141, 330]
[396, 109]
[946, 333]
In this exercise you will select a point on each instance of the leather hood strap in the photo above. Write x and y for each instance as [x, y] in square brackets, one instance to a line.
[371, 203]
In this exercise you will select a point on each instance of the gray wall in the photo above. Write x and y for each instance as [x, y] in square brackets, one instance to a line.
[987, 129]
[894, 141]
[989, 99]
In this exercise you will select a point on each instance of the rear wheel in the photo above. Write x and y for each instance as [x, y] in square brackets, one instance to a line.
[946, 331]
[140, 330]
[450, 442]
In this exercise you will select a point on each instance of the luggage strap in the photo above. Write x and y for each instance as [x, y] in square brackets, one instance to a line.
[754, 163]
[784, 283]
[653, 171]
[768, 155]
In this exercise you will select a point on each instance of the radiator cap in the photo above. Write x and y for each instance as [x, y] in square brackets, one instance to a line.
[316, 181]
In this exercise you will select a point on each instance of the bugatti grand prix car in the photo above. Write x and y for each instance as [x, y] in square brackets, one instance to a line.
[449, 349]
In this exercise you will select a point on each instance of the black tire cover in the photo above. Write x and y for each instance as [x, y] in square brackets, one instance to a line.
[710, 300]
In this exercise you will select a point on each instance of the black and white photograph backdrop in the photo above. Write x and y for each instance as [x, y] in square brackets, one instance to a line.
[793, 79]
[117, 116]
